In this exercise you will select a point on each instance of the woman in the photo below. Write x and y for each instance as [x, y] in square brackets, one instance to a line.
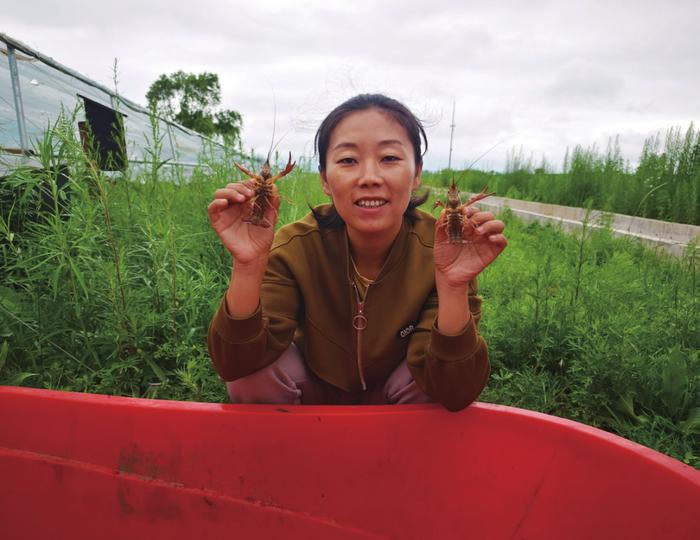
[363, 300]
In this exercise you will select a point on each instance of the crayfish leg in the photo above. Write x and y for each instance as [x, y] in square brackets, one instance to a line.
[469, 227]
[441, 222]
[258, 223]
[247, 172]
[256, 216]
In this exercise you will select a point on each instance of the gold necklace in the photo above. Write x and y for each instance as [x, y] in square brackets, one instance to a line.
[365, 281]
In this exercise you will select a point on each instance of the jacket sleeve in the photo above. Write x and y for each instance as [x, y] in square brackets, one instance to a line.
[452, 370]
[239, 347]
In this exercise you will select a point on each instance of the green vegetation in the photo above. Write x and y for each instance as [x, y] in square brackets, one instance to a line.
[189, 100]
[596, 329]
[665, 185]
[108, 284]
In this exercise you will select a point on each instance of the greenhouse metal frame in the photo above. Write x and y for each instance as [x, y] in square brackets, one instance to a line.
[35, 90]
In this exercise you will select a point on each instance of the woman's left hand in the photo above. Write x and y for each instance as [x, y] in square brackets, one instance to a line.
[458, 264]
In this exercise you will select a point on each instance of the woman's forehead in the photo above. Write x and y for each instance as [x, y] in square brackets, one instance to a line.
[369, 126]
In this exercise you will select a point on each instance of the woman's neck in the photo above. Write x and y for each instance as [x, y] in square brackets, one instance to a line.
[370, 251]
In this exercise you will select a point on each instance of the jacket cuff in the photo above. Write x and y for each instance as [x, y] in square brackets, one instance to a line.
[454, 348]
[234, 329]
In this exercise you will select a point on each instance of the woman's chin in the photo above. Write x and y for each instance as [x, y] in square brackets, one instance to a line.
[371, 221]
[371, 227]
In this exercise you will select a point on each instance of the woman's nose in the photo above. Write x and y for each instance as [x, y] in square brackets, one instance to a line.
[370, 174]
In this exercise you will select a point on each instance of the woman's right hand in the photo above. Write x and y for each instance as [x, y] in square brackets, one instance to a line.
[248, 244]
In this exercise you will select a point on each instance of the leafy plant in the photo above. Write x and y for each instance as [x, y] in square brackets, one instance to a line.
[665, 185]
[190, 99]
[110, 280]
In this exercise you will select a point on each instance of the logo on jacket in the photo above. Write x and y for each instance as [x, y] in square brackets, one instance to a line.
[405, 332]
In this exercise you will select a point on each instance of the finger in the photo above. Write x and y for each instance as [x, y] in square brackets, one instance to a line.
[440, 229]
[275, 198]
[273, 201]
[469, 211]
[442, 220]
[235, 195]
[216, 206]
[241, 187]
[271, 214]
[499, 240]
[276, 203]
[472, 209]
[491, 227]
[481, 217]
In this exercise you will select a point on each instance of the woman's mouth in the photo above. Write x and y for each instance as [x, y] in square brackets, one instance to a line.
[371, 203]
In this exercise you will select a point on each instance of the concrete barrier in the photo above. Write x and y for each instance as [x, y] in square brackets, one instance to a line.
[671, 237]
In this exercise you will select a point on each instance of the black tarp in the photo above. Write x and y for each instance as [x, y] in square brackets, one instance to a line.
[103, 137]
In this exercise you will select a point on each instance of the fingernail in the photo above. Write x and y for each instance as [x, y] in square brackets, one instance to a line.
[479, 230]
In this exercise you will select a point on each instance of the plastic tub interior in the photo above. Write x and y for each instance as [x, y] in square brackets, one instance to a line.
[91, 466]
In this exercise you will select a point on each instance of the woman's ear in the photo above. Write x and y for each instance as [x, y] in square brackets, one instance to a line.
[416, 178]
[324, 184]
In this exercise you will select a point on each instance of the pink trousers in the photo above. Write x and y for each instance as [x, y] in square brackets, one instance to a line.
[288, 381]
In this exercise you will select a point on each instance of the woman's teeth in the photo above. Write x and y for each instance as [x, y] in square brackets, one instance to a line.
[370, 204]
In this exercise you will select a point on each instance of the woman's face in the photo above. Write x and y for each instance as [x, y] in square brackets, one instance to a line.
[370, 172]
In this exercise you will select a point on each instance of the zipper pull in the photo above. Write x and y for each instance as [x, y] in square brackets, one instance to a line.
[359, 323]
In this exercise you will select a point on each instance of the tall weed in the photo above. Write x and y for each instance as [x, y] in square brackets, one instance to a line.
[109, 281]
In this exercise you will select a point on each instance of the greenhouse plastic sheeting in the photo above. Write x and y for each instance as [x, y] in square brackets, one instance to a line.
[48, 91]
[9, 131]
[186, 148]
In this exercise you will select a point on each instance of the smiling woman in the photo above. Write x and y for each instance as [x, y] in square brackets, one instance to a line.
[364, 300]
[370, 175]
[395, 111]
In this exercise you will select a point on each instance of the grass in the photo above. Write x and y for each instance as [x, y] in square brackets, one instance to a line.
[665, 185]
[108, 284]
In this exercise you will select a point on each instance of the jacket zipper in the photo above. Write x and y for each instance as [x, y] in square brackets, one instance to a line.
[359, 323]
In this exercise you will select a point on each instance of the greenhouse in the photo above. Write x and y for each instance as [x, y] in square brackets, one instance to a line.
[35, 90]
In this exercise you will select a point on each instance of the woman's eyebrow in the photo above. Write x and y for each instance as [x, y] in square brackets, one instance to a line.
[380, 143]
[344, 145]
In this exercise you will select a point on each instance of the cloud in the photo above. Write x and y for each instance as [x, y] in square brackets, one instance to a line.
[584, 84]
[545, 76]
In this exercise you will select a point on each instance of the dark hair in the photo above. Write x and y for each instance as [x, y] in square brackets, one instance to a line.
[398, 112]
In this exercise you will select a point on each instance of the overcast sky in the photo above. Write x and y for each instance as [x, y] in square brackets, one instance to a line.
[540, 74]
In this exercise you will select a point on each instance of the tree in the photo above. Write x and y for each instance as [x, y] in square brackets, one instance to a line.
[190, 100]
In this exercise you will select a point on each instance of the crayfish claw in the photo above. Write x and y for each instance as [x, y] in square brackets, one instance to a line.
[247, 172]
[286, 171]
[479, 196]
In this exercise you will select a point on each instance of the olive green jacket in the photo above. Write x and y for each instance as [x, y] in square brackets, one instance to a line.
[308, 296]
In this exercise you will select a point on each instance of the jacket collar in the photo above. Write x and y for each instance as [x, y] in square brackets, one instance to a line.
[395, 254]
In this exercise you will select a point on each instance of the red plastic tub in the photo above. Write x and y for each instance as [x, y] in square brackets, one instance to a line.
[91, 466]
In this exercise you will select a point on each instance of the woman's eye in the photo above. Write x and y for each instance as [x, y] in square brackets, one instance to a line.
[346, 160]
[391, 158]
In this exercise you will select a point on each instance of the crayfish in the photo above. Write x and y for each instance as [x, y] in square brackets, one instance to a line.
[262, 186]
[456, 221]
